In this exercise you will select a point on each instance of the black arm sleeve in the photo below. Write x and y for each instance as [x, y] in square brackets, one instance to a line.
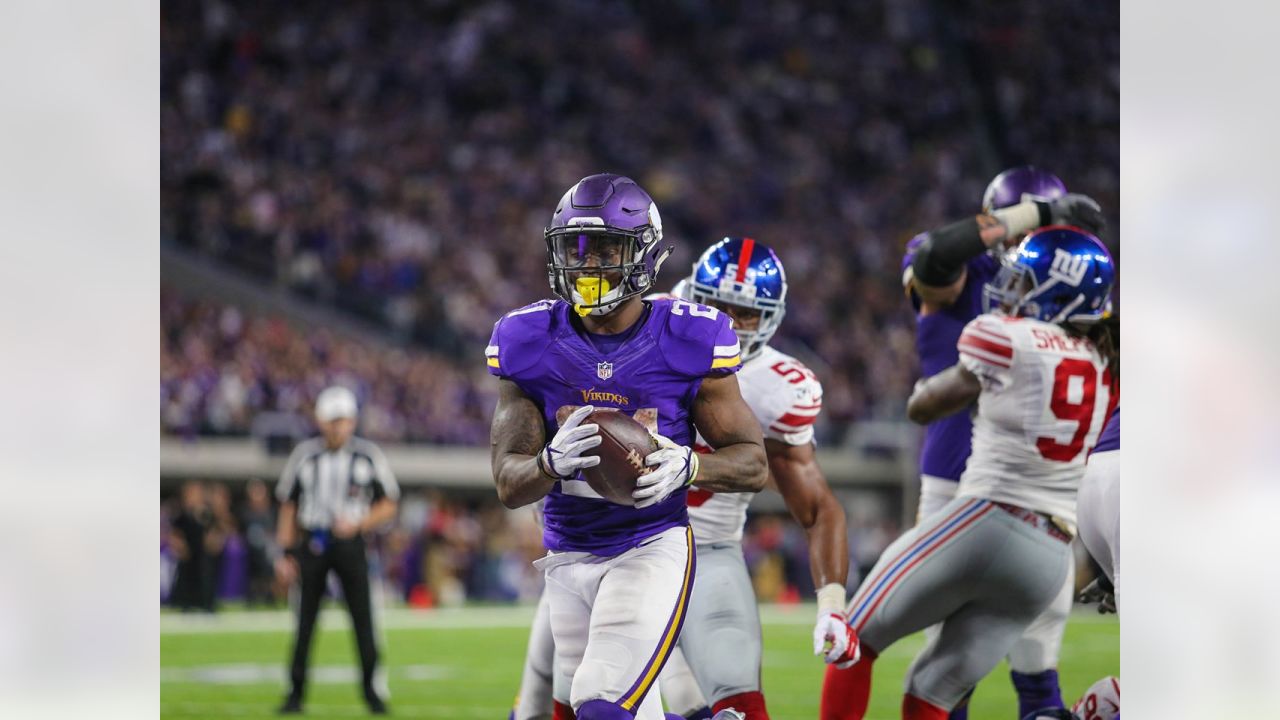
[940, 259]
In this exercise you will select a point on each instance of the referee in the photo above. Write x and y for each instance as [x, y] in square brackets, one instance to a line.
[334, 489]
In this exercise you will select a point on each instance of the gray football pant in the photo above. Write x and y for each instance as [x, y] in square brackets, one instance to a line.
[534, 701]
[721, 635]
[1040, 646]
[981, 572]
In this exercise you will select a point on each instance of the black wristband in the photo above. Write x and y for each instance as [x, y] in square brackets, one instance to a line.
[541, 467]
[1046, 215]
[293, 552]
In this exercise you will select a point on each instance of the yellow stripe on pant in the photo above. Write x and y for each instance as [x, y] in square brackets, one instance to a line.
[669, 637]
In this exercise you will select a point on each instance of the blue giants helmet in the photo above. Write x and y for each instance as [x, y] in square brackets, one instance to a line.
[1057, 274]
[610, 218]
[1020, 184]
[743, 272]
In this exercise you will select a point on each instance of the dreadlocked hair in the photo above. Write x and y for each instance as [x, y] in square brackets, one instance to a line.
[1105, 336]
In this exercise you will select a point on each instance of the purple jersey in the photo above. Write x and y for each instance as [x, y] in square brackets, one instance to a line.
[947, 442]
[1110, 438]
[653, 376]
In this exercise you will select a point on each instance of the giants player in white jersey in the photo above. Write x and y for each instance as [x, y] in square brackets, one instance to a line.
[716, 668]
[995, 556]
[721, 644]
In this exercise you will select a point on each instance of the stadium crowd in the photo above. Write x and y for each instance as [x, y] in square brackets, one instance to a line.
[398, 161]
[220, 367]
[217, 545]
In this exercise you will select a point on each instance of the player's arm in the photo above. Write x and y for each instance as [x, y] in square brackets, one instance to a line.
[515, 439]
[727, 424]
[386, 493]
[794, 468]
[948, 392]
[938, 267]
[938, 270]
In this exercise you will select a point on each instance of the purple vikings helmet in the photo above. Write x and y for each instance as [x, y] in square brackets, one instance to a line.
[1020, 184]
[1057, 274]
[741, 271]
[607, 218]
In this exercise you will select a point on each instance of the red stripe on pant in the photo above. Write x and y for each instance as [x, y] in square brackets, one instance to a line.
[884, 592]
[924, 535]
[562, 712]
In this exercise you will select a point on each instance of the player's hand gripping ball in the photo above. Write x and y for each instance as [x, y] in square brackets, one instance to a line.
[625, 444]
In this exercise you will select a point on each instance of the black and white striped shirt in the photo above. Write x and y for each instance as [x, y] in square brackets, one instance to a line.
[327, 484]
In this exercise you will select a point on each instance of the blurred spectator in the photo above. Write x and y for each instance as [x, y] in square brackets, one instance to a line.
[219, 367]
[447, 549]
[399, 160]
[225, 547]
[193, 583]
[258, 521]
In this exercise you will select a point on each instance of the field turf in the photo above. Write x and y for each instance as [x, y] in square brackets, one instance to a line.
[466, 663]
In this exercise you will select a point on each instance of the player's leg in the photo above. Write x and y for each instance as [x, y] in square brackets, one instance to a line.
[312, 570]
[352, 568]
[935, 493]
[721, 638]
[570, 589]
[636, 618]
[1098, 508]
[680, 692]
[1033, 659]
[1016, 573]
[534, 701]
[922, 578]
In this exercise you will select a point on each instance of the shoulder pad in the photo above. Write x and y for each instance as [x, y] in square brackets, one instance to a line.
[697, 340]
[793, 401]
[519, 339]
[987, 350]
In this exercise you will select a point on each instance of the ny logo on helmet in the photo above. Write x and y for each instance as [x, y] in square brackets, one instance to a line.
[1069, 268]
[604, 370]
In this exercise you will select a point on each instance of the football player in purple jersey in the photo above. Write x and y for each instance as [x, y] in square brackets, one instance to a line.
[618, 577]
[944, 271]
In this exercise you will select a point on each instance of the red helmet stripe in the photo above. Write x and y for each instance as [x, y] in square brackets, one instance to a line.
[744, 258]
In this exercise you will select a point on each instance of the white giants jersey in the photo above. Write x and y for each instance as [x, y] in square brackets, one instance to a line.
[786, 398]
[1045, 397]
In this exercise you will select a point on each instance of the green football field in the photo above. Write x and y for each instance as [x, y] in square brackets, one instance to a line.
[466, 663]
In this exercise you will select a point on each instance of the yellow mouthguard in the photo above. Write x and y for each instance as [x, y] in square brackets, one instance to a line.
[591, 289]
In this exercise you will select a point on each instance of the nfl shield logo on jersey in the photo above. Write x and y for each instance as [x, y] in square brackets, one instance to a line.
[604, 370]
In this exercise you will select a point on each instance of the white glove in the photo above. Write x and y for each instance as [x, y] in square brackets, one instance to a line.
[562, 457]
[676, 467]
[833, 638]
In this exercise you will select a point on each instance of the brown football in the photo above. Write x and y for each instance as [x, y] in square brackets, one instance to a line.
[622, 452]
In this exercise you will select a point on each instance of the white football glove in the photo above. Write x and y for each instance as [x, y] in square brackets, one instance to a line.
[674, 466]
[562, 457]
[833, 638]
